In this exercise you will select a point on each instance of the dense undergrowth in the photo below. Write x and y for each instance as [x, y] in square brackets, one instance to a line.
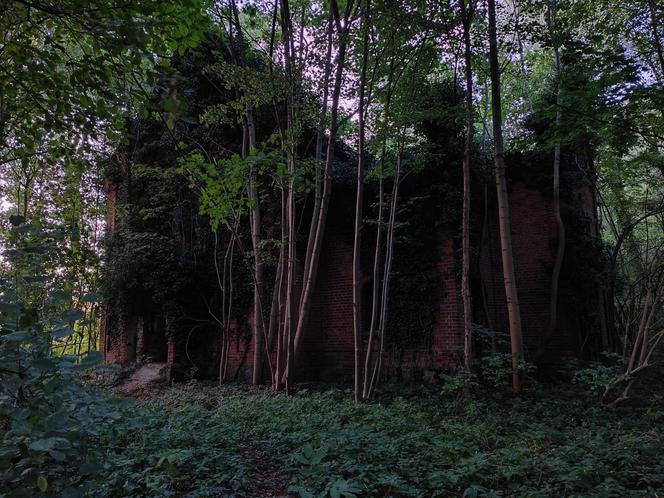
[546, 444]
[61, 438]
[199, 440]
[188, 441]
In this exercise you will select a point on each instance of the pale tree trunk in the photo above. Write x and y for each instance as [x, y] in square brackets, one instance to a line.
[290, 199]
[273, 322]
[222, 322]
[645, 342]
[255, 226]
[228, 261]
[357, 243]
[560, 227]
[513, 310]
[277, 315]
[279, 292]
[310, 278]
[375, 297]
[290, 284]
[225, 283]
[248, 148]
[320, 140]
[375, 291]
[385, 294]
[467, 18]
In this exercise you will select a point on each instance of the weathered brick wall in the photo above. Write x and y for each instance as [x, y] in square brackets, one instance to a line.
[533, 231]
[448, 328]
[241, 352]
[327, 352]
[532, 224]
[328, 348]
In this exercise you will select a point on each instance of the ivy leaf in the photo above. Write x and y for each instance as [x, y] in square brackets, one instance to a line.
[72, 315]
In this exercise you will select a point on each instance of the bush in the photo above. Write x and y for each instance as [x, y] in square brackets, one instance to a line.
[51, 423]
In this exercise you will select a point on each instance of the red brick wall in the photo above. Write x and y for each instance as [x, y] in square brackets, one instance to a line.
[241, 352]
[533, 235]
[448, 328]
[327, 352]
[328, 348]
[120, 346]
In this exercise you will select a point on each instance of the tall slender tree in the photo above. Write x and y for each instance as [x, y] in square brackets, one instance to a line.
[509, 279]
[343, 26]
[467, 13]
[560, 226]
[359, 200]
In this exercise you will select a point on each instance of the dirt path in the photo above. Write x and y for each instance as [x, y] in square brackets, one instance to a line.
[144, 377]
[266, 480]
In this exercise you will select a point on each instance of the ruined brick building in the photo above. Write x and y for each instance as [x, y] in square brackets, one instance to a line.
[161, 289]
[328, 346]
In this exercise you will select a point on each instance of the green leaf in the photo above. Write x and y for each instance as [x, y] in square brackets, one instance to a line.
[73, 315]
[10, 308]
[50, 443]
[62, 332]
[44, 364]
[92, 297]
[42, 483]
[19, 336]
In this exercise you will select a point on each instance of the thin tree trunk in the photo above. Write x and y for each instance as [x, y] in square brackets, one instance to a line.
[280, 364]
[310, 277]
[290, 201]
[248, 148]
[376, 281]
[375, 292]
[255, 222]
[290, 283]
[375, 378]
[467, 14]
[511, 296]
[320, 139]
[222, 289]
[226, 287]
[560, 227]
[273, 323]
[357, 243]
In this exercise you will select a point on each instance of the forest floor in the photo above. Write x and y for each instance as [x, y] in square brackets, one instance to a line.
[198, 439]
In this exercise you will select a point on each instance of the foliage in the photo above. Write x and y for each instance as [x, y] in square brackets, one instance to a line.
[63, 438]
[49, 421]
[175, 451]
[192, 440]
[597, 376]
[66, 66]
[221, 184]
[550, 443]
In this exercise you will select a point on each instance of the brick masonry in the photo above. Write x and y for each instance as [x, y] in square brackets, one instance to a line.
[327, 350]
